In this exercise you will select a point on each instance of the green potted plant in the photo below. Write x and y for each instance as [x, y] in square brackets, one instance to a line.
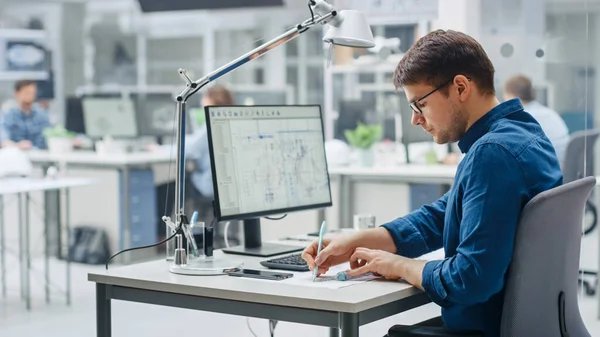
[362, 140]
[59, 139]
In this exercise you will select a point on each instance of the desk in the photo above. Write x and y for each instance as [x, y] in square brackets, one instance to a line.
[408, 173]
[22, 187]
[345, 308]
[135, 195]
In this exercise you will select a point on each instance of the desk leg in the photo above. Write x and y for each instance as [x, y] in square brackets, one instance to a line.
[345, 211]
[2, 247]
[20, 230]
[349, 324]
[125, 209]
[68, 228]
[334, 332]
[46, 256]
[103, 324]
[27, 254]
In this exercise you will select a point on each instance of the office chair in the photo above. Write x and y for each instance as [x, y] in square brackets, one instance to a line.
[540, 294]
[579, 159]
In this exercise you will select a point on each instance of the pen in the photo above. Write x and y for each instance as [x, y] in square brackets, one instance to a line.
[321, 235]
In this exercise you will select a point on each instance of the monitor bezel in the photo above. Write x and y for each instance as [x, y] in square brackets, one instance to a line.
[254, 215]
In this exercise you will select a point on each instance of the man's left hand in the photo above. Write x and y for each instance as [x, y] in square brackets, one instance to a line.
[378, 262]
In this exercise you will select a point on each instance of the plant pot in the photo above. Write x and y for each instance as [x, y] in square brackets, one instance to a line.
[59, 145]
[365, 157]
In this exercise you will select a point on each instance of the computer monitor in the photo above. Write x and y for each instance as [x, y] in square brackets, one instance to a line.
[156, 114]
[266, 160]
[350, 114]
[109, 117]
[74, 115]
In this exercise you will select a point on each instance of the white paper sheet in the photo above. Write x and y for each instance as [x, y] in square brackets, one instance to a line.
[327, 280]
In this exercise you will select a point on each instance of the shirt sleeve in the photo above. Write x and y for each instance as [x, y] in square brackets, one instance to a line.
[420, 231]
[494, 194]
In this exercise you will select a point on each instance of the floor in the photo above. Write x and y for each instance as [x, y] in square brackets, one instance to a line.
[131, 319]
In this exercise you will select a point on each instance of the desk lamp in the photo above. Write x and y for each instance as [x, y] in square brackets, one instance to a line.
[348, 28]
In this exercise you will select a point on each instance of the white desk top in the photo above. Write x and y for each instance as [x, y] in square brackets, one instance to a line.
[23, 185]
[409, 171]
[93, 158]
[156, 276]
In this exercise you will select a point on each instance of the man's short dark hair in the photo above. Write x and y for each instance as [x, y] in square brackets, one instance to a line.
[520, 86]
[23, 83]
[439, 56]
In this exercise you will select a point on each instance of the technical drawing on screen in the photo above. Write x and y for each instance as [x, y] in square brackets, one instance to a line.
[267, 160]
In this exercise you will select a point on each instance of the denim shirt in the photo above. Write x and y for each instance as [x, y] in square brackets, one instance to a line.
[17, 126]
[508, 160]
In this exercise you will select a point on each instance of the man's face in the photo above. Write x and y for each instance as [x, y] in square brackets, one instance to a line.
[442, 117]
[27, 94]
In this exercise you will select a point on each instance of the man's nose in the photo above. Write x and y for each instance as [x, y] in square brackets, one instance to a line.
[416, 119]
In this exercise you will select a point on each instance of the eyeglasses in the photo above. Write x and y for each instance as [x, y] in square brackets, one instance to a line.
[415, 104]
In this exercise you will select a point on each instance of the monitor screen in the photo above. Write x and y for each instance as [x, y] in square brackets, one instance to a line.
[74, 115]
[109, 117]
[157, 114]
[267, 160]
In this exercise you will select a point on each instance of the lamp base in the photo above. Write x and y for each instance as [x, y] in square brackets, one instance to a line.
[205, 266]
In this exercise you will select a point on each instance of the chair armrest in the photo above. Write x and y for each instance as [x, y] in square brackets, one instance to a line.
[425, 331]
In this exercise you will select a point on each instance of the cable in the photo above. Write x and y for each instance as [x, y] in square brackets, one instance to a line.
[225, 230]
[272, 325]
[312, 14]
[281, 217]
[178, 231]
[249, 327]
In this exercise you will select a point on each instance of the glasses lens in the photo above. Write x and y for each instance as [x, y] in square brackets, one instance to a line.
[414, 108]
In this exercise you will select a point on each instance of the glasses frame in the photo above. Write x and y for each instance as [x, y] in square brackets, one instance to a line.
[414, 105]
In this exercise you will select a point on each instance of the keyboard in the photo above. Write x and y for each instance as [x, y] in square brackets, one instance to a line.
[292, 262]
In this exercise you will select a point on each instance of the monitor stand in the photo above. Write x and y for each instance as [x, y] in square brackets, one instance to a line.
[253, 245]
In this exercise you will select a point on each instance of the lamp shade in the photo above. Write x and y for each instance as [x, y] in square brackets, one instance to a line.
[350, 29]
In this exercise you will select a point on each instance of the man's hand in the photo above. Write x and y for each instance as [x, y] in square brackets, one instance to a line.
[334, 251]
[24, 145]
[378, 262]
[388, 265]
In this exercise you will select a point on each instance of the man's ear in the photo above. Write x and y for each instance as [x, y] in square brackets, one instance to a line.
[464, 86]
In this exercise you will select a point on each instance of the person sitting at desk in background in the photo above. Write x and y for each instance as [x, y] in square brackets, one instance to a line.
[197, 152]
[449, 82]
[553, 125]
[23, 125]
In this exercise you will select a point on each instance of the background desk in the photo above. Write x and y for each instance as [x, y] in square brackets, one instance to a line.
[425, 183]
[346, 308]
[125, 203]
[22, 187]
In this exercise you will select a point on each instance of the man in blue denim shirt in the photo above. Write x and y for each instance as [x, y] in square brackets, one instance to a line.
[23, 125]
[449, 82]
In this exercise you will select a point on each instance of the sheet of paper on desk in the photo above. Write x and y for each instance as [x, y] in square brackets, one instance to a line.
[328, 280]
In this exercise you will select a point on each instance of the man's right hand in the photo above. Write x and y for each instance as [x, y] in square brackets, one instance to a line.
[333, 252]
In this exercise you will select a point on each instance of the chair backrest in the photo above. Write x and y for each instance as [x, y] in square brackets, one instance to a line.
[545, 264]
[579, 156]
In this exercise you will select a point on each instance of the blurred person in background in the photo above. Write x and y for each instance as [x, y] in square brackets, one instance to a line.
[22, 125]
[552, 124]
[197, 155]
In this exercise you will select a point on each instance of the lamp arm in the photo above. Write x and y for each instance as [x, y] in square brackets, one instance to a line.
[192, 87]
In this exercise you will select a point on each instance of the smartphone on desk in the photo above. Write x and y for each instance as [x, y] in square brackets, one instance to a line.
[262, 274]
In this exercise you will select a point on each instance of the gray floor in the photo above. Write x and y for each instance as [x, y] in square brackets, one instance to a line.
[131, 319]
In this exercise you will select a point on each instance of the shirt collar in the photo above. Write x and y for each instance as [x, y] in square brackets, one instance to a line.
[481, 126]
